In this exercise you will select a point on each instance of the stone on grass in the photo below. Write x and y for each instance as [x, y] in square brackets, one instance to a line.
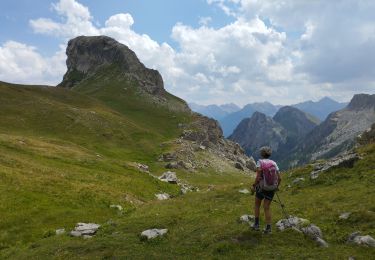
[169, 177]
[118, 207]
[88, 229]
[244, 191]
[143, 167]
[356, 238]
[153, 233]
[312, 231]
[247, 218]
[321, 242]
[162, 196]
[345, 215]
[60, 231]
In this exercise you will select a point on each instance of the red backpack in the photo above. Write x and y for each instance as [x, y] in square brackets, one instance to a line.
[270, 179]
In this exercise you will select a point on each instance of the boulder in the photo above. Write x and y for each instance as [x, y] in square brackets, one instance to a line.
[143, 167]
[356, 238]
[312, 231]
[321, 242]
[153, 233]
[250, 164]
[168, 157]
[82, 229]
[162, 196]
[169, 177]
[239, 166]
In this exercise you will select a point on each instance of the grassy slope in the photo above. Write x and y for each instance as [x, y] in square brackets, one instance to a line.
[52, 177]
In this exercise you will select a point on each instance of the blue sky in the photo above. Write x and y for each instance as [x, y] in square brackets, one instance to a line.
[208, 51]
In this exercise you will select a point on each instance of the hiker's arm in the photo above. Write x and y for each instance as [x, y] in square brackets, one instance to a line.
[257, 178]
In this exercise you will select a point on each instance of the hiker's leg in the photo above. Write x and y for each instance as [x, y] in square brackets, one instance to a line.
[257, 204]
[267, 211]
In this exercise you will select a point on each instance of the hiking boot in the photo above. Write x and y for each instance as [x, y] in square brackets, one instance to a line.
[255, 227]
[267, 230]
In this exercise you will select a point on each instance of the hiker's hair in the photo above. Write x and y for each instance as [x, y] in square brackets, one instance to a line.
[265, 152]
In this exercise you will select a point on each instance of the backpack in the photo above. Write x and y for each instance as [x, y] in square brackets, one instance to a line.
[270, 179]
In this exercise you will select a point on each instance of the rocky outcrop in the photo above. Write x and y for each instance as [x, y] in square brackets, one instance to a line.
[346, 160]
[85, 230]
[88, 54]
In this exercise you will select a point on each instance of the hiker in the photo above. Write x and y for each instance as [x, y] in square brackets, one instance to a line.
[266, 184]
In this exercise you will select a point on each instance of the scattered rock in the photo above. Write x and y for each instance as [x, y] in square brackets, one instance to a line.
[162, 196]
[244, 191]
[143, 167]
[153, 233]
[298, 180]
[168, 157]
[202, 147]
[344, 160]
[172, 165]
[356, 238]
[88, 229]
[60, 231]
[185, 188]
[169, 177]
[312, 231]
[303, 226]
[247, 218]
[345, 215]
[321, 242]
[250, 164]
[116, 207]
[239, 166]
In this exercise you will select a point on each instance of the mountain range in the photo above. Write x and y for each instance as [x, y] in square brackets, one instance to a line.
[229, 120]
[281, 133]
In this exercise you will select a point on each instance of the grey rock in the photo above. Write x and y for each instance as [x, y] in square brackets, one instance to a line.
[153, 233]
[60, 231]
[321, 242]
[143, 167]
[312, 231]
[169, 177]
[162, 196]
[250, 164]
[344, 160]
[239, 166]
[172, 165]
[85, 229]
[247, 218]
[168, 157]
[345, 215]
[356, 238]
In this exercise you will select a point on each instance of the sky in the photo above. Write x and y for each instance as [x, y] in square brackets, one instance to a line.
[208, 51]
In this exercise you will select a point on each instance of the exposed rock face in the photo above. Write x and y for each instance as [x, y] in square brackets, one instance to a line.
[343, 160]
[257, 131]
[87, 55]
[338, 132]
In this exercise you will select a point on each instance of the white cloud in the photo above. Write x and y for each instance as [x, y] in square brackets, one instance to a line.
[23, 64]
[279, 51]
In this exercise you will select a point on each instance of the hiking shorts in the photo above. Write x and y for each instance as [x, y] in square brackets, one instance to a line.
[263, 194]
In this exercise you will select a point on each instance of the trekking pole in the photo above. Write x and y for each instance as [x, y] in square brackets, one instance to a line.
[282, 207]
